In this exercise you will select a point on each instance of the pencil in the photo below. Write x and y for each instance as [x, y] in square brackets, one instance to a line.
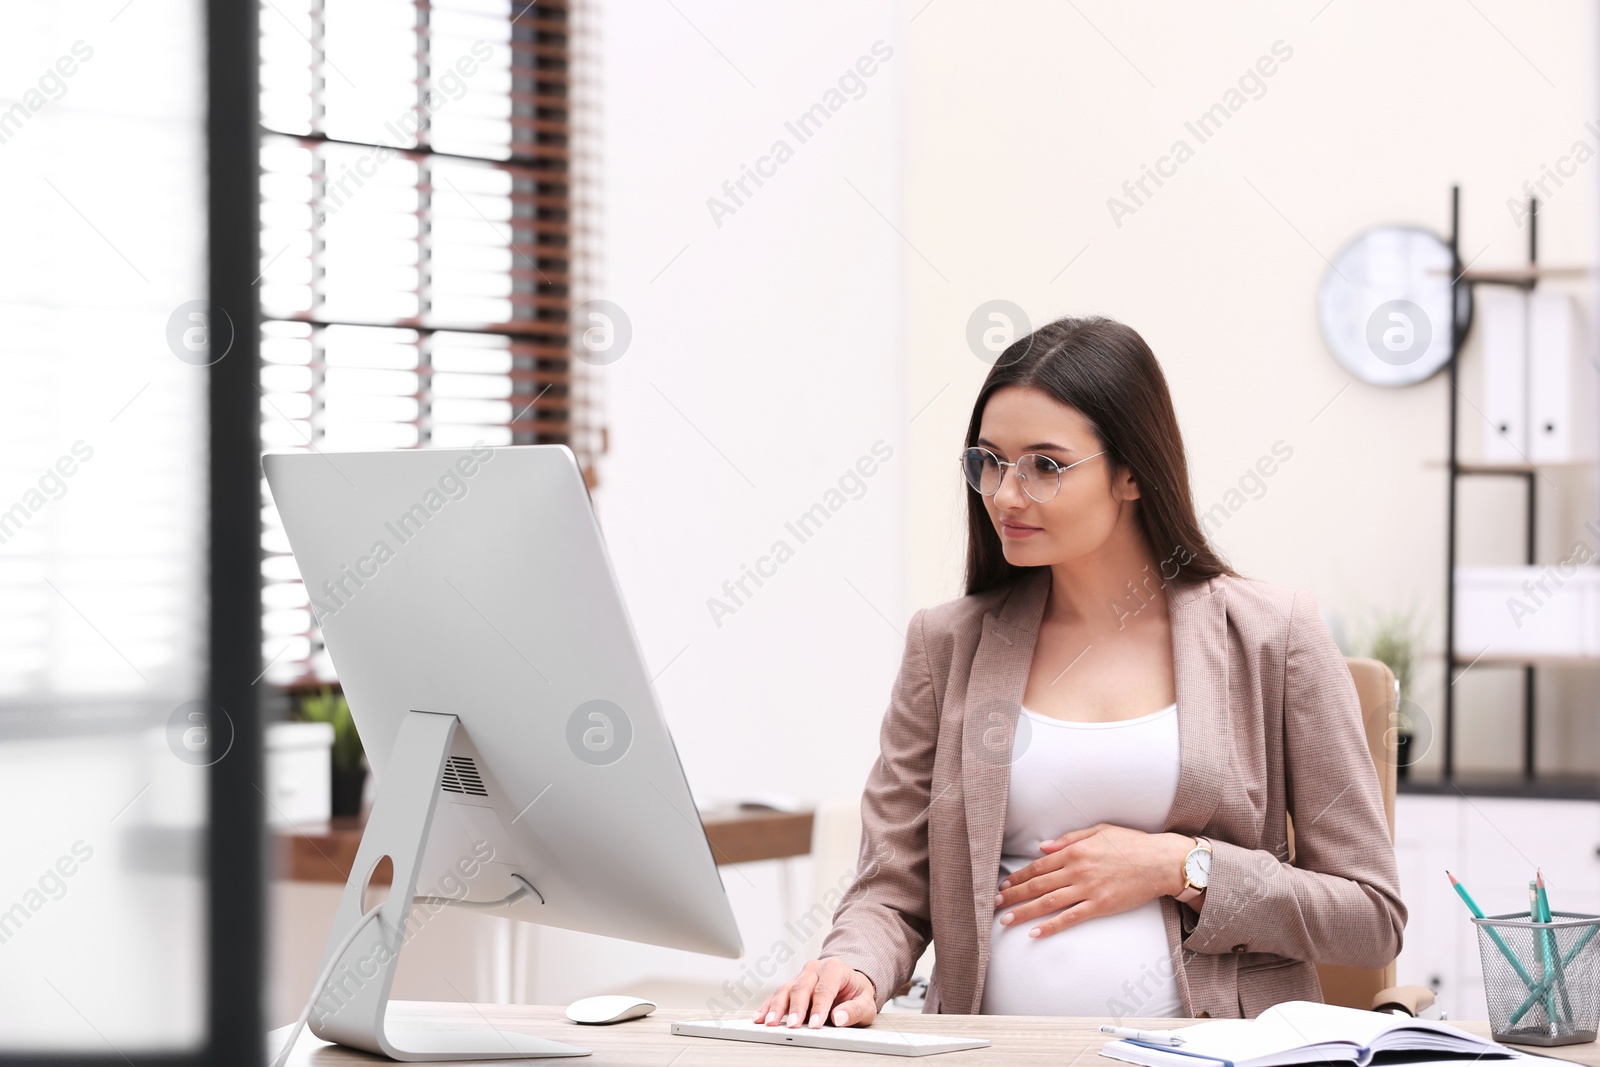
[1494, 935]
[1546, 915]
[1539, 990]
[1542, 949]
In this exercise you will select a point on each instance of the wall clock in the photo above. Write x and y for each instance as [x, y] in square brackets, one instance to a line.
[1384, 305]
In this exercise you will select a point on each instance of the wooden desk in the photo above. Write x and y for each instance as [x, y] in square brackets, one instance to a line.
[324, 852]
[649, 1042]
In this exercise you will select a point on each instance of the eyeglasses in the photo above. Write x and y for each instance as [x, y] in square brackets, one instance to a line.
[1040, 475]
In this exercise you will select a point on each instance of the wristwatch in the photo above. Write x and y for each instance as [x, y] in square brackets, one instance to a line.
[1196, 870]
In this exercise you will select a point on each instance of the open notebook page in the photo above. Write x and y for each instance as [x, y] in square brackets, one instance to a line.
[1305, 1031]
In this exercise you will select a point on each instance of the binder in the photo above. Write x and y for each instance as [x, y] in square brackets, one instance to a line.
[1504, 317]
[1562, 383]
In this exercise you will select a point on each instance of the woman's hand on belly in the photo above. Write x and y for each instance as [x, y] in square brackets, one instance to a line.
[1100, 870]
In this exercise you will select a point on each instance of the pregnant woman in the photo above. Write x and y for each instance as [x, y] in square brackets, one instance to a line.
[1087, 759]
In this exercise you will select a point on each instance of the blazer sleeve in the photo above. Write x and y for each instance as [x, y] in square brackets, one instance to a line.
[1339, 902]
[882, 926]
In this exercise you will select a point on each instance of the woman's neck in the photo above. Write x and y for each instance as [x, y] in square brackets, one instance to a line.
[1102, 590]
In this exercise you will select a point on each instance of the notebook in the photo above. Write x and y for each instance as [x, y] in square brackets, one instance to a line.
[879, 1037]
[1307, 1031]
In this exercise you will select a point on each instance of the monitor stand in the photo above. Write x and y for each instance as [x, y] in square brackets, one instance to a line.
[358, 985]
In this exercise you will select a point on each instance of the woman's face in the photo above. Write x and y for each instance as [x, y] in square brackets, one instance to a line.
[1022, 419]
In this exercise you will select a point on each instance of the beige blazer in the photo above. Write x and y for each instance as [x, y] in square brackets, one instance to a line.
[1268, 723]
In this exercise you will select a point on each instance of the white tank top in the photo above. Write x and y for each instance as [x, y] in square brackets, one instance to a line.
[1067, 776]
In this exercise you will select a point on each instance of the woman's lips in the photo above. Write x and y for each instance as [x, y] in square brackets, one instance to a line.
[1010, 530]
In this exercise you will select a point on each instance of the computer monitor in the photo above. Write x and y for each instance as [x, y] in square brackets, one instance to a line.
[522, 761]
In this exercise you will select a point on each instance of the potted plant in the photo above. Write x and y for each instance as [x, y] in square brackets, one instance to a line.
[1393, 640]
[349, 763]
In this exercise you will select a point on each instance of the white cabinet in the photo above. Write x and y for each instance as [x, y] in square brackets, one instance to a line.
[1427, 843]
[1504, 839]
[1493, 845]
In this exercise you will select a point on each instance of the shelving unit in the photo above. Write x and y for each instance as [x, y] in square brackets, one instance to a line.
[1531, 783]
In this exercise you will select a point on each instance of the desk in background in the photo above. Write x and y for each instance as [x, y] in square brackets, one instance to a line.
[648, 1042]
[324, 852]
[485, 959]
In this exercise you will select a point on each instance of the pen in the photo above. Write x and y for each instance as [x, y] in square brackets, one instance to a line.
[1153, 1037]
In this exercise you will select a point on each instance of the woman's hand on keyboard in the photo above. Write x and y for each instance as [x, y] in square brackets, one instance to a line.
[1103, 869]
[825, 990]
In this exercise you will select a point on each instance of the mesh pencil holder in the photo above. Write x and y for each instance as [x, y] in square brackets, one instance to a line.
[1542, 980]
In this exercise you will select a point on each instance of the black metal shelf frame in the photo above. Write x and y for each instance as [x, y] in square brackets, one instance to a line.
[1458, 470]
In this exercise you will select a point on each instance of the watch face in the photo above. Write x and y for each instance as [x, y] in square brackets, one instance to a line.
[1198, 866]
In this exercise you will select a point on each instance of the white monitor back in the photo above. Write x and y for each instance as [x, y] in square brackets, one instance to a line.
[475, 582]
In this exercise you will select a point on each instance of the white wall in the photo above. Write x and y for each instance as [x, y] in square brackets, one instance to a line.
[771, 351]
[1022, 119]
[765, 364]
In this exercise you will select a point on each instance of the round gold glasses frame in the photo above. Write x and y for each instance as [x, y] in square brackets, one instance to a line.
[982, 467]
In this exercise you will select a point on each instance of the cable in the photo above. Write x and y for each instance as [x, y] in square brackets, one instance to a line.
[524, 890]
[321, 982]
[487, 905]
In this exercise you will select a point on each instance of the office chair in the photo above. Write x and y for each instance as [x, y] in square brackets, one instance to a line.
[1373, 987]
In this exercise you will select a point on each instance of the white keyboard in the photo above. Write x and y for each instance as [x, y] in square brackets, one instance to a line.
[878, 1037]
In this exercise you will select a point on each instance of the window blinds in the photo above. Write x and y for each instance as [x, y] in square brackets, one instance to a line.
[422, 244]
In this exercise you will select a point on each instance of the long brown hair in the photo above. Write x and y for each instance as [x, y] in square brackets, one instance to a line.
[1105, 370]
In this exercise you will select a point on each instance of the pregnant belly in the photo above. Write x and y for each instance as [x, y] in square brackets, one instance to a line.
[1114, 965]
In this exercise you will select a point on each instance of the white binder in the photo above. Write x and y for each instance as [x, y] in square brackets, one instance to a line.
[1503, 314]
[1562, 383]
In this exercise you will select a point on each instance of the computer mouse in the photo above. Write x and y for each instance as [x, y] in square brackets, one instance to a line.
[609, 1009]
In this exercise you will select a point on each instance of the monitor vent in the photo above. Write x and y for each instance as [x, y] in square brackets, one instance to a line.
[461, 776]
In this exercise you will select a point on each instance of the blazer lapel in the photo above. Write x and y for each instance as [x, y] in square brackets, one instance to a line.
[1205, 723]
[996, 685]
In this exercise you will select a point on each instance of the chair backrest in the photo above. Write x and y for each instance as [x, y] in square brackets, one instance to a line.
[1355, 987]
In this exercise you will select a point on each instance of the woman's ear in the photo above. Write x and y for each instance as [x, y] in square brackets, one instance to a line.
[1127, 486]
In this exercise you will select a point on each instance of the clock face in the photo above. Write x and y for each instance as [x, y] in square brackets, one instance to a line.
[1384, 305]
[1198, 866]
